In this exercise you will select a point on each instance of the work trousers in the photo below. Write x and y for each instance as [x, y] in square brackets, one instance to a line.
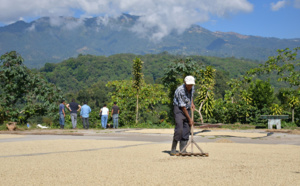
[61, 120]
[74, 120]
[85, 123]
[115, 120]
[182, 127]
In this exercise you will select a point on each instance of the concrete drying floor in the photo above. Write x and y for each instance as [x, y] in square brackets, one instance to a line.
[119, 157]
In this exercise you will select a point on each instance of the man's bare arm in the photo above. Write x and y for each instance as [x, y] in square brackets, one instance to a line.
[68, 106]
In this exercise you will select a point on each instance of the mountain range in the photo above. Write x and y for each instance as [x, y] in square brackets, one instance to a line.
[52, 40]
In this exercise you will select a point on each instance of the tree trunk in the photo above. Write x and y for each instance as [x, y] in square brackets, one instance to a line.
[201, 118]
[293, 109]
[200, 108]
[137, 108]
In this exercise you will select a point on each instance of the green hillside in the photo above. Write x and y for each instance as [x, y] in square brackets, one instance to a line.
[75, 74]
[41, 41]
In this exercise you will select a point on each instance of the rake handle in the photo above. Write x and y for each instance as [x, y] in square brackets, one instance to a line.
[192, 130]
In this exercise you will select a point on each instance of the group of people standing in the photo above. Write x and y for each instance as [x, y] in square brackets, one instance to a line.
[104, 113]
[85, 110]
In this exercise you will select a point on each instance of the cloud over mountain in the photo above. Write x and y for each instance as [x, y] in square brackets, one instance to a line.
[157, 18]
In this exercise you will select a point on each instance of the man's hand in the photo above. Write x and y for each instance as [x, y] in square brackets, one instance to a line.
[191, 122]
[193, 106]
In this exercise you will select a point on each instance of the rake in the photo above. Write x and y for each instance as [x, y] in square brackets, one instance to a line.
[192, 142]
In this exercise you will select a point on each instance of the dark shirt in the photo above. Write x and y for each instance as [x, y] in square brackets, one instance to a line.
[115, 109]
[61, 108]
[74, 107]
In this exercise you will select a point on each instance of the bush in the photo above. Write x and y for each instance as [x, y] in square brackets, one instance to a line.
[288, 125]
[47, 120]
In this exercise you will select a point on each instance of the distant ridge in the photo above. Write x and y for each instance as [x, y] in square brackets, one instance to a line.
[55, 39]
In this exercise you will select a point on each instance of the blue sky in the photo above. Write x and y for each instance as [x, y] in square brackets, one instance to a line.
[262, 21]
[266, 18]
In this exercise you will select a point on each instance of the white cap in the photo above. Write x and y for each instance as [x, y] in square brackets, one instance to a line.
[189, 80]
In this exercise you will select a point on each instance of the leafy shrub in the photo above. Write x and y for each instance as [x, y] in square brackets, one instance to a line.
[288, 125]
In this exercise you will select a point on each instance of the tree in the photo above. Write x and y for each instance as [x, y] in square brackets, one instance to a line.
[205, 81]
[205, 95]
[262, 94]
[177, 71]
[175, 74]
[221, 86]
[284, 64]
[151, 94]
[294, 102]
[137, 81]
[291, 98]
[276, 109]
[237, 87]
[24, 93]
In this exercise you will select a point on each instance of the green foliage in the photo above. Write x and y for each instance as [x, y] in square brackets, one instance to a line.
[237, 89]
[137, 73]
[288, 125]
[290, 98]
[137, 81]
[276, 109]
[85, 77]
[47, 120]
[151, 96]
[228, 112]
[221, 79]
[262, 94]
[205, 94]
[24, 93]
[177, 71]
[81, 73]
[284, 64]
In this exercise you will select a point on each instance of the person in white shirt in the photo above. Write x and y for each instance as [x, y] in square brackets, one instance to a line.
[104, 116]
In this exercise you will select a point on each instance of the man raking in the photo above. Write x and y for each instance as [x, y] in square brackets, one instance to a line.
[183, 107]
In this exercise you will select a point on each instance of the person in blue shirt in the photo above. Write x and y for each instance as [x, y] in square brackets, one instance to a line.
[62, 114]
[84, 114]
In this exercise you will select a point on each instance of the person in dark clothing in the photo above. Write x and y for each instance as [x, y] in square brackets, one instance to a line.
[62, 114]
[74, 108]
[115, 115]
[183, 104]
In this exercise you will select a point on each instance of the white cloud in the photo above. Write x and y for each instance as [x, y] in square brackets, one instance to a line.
[162, 17]
[66, 22]
[297, 3]
[31, 28]
[278, 5]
